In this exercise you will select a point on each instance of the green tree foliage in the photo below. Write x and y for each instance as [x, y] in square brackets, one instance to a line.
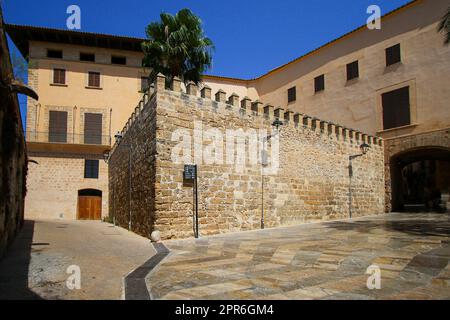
[177, 47]
[444, 26]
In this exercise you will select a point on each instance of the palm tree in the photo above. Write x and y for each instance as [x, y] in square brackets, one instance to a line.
[444, 26]
[177, 47]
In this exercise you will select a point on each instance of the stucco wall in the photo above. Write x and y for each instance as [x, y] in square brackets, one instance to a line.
[55, 182]
[357, 103]
[312, 182]
[119, 93]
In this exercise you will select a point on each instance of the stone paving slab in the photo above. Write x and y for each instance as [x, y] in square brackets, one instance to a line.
[36, 264]
[316, 261]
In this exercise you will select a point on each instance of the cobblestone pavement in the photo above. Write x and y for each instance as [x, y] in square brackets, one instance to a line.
[325, 260]
[36, 264]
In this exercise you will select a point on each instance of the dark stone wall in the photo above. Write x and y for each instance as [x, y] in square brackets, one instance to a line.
[139, 146]
[13, 158]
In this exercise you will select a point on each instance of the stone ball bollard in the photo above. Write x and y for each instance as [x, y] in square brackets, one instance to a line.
[155, 236]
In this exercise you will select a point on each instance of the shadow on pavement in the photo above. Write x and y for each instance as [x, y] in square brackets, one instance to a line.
[14, 267]
[419, 226]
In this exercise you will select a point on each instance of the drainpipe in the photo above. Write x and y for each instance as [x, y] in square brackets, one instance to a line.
[129, 185]
[73, 129]
[36, 123]
[110, 117]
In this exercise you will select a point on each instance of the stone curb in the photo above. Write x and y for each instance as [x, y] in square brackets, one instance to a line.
[134, 283]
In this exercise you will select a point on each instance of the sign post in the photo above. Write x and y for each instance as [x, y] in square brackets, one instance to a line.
[190, 174]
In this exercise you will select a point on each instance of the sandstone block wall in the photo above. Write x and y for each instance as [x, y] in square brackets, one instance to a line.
[139, 145]
[397, 146]
[311, 183]
[54, 183]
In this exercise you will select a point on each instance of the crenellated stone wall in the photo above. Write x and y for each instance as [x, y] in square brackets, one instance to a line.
[305, 178]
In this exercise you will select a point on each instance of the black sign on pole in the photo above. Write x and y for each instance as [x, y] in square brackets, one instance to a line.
[190, 173]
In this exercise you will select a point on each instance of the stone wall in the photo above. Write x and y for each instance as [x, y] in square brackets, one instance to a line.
[132, 201]
[13, 158]
[398, 146]
[54, 183]
[310, 182]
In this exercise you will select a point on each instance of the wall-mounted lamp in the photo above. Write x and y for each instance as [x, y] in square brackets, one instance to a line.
[364, 149]
[106, 156]
[118, 137]
[277, 124]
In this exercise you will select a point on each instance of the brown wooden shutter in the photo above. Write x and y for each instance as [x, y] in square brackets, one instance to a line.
[59, 76]
[393, 55]
[57, 126]
[93, 128]
[319, 83]
[292, 94]
[396, 108]
[144, 84]
[352, 70]
[94, 79]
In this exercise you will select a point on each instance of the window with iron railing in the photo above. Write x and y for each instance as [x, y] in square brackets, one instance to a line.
[93, 128]
[57, 129]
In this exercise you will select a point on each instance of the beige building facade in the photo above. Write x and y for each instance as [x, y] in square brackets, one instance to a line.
[86, 94]
[391, 83]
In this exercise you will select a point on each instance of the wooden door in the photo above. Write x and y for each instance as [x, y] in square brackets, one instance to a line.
[89, 208]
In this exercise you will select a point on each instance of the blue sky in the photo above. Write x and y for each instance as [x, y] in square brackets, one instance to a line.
[251, 36]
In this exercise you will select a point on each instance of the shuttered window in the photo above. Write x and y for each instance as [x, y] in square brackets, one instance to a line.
[93, 128]
[319, 83]
[292, 94]
[393, 55]
[91, 169]
[396, 108]
[145, 83]
[352, 70]
[57, 126]
[94, 79]
[59, 76]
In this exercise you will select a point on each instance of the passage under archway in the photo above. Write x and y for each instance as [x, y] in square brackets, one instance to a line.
[89, 204]
[420, 180]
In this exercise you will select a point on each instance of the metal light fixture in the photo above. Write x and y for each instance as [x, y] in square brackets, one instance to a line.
[264, 163]
[106, 156]
[277, 124]
[118, 137]
[364, 148]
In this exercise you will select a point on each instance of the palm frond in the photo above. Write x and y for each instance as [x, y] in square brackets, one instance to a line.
[177, 46]
[444, 26]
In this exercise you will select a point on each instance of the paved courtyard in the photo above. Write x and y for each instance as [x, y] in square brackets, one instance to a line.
[315, 261]
[36, 264]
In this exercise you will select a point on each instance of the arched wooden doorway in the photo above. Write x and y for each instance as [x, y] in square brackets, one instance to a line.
[89, 204]
[420, 179]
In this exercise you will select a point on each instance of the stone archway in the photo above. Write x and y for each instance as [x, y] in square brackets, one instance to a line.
[416, 168]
